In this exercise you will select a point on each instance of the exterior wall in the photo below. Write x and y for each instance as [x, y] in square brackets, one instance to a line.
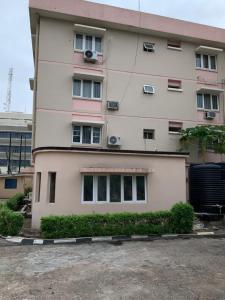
[23, 181]
[123, 81]
[163, 188]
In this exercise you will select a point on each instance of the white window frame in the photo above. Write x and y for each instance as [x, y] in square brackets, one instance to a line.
[95, 189]
[203, 98]
[83, 42]
[81, 134]
[92, 90]
[209, 62]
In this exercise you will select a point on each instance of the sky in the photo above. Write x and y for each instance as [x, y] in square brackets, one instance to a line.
[15, 39]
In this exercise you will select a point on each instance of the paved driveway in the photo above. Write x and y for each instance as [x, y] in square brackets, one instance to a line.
[178, 269]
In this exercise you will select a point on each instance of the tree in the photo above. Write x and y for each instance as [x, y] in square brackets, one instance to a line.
[205, 137]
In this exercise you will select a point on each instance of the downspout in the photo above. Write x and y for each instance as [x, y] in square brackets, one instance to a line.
[35, 81]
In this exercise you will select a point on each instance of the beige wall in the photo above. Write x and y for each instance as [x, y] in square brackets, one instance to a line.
[22, 183]
[123, 81]
[164, 187]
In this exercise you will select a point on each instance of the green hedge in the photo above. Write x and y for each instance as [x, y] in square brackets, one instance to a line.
[15, 201]
[10, 222]
[118, 224]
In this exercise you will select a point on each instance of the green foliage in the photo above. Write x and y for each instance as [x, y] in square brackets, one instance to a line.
[207, 136]
[117, 224]
[10, 222]
[27, 190]
[182, 218]
[15, 201]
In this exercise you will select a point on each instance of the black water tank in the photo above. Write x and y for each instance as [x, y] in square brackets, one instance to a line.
[207, 187]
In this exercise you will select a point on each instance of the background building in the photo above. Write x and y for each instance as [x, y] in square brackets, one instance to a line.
[15, 141]
[112, 90]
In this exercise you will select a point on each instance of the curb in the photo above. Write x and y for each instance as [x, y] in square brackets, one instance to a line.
[110, 239]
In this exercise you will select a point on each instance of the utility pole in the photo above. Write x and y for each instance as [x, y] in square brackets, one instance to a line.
[7, 103]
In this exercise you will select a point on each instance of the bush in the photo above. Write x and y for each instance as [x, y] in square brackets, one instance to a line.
[15, 202]
[104, 225]
[10, 222]
[182, 218]
[27, 190]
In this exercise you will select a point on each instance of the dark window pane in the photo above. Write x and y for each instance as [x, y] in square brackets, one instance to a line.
[86, 135]
[198, 60]
[140, 180]
[149, 134]
[215, 102]
[207, 101]
[76, 134]
[79, 41]
[88, 188]
[115, 188]
[38, 186]
[10, 183]
[87, 88]
[205, 61]
[98, 44]
[88, 42]
[96, 135]
[52, 181]
[199, 101]
[213, 62]
[97, 89]
[127, 188]
[102, 188]
[76, 87]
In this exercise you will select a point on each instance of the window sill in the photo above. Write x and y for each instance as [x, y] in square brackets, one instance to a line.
[86, 145]
[205, 110]
[175, 90]
[121, 202]
[174, 48]
[83, 98]
[82, 51]
[206, 70]
[174, 133]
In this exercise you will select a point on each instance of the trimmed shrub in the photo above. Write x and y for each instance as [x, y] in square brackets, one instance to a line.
[10, 222]
[15, 201]
[107, 224]
[182, 218]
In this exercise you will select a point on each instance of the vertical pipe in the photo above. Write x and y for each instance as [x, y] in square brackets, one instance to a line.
[25, 145]
[9, 159]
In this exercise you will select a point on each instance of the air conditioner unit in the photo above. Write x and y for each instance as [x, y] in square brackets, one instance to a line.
[113, 140]
[210, 115]
[149, 47]
[149, 89]
[90, 56]
[112, 105]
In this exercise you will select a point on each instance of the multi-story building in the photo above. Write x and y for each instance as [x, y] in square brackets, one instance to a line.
[15, 141]
[112, 90]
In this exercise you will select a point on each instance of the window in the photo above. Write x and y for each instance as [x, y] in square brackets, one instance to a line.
[149, 134]
[173, 44]
[174, 84]
[88, 42]
[115, 188]
[149, 47]
[175, 127]
[10, 183]
[38, 186]
[83, 134]
[15, 135]
[87, 89]
[207, 102]
[51, 186]
[205, 61]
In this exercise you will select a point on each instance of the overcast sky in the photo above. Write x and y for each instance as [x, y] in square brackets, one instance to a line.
[15, 41]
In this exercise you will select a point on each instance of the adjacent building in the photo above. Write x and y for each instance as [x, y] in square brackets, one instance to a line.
[112, 90]
[15, 141]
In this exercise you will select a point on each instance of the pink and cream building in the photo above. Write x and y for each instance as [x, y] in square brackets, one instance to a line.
[107, 120]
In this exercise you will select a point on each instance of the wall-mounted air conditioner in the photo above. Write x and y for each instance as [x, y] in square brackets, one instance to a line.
[210, 115]
[90, 56]
[149, 47]
[113, 140]
[112, 105]
[149, 89]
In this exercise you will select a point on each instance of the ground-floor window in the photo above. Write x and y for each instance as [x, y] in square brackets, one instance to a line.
[113, 188]
[51, 186]
[10, 183]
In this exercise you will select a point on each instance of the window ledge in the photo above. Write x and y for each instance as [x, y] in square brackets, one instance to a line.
[206, 70]
[175, 90]
[86, 145]
[82, 51]
[174, 48]
[205, 110]
[83, 98]
[174, 133]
